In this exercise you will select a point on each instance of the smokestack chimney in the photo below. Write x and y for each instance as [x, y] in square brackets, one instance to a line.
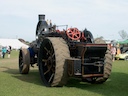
[41, 17]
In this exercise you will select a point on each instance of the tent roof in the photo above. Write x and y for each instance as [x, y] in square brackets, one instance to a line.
[14, 43]
[123, 42]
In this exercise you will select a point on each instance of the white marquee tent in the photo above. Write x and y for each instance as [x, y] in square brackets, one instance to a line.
[14, 43]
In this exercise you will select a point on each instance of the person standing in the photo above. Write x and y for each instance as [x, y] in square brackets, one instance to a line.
[9, 51]
[0, 51]
[4, 50]
[113, 51]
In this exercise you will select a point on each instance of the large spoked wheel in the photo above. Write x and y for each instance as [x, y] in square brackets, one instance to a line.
[51, 61]
[24, 61]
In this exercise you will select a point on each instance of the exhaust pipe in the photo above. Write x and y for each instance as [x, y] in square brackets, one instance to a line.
[41, 17]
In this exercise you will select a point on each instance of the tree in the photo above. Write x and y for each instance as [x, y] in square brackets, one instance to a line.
[123, 34]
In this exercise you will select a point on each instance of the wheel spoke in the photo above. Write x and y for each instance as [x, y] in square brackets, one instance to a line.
[20, 58]
[49, 68]
[44, 60]
[48, 51]
[51, 77]
[21, 65]
[50, 58]
[76, 35]
[51, 48]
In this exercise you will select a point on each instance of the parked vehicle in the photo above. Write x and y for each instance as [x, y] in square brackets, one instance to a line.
[123, 56]
[67, 53]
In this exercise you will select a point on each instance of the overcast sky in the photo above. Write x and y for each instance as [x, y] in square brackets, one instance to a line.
[18, 18]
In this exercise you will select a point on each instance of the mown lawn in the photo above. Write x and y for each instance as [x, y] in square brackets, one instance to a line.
[14, 84]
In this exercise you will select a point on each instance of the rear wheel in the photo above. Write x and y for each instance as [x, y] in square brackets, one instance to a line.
[52, 66]
[107, 65]
[24, 61]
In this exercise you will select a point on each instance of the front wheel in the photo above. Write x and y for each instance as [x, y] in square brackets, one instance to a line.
[24, 61]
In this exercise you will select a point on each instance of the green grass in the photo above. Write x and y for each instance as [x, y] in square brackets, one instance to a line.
[14, 84]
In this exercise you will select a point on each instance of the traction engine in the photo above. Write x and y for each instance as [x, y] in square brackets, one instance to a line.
[67, 53]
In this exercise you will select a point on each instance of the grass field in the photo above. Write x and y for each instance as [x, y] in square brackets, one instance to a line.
[14, 84]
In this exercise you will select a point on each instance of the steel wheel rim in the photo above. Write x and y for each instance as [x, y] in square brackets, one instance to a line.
[47, 62]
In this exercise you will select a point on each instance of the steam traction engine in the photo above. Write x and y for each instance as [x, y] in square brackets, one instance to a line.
[63, 54]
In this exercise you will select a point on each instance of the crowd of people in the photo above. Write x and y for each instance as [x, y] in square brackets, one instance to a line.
[4, 51]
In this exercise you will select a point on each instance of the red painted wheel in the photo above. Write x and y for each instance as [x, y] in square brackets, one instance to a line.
[73, 33]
